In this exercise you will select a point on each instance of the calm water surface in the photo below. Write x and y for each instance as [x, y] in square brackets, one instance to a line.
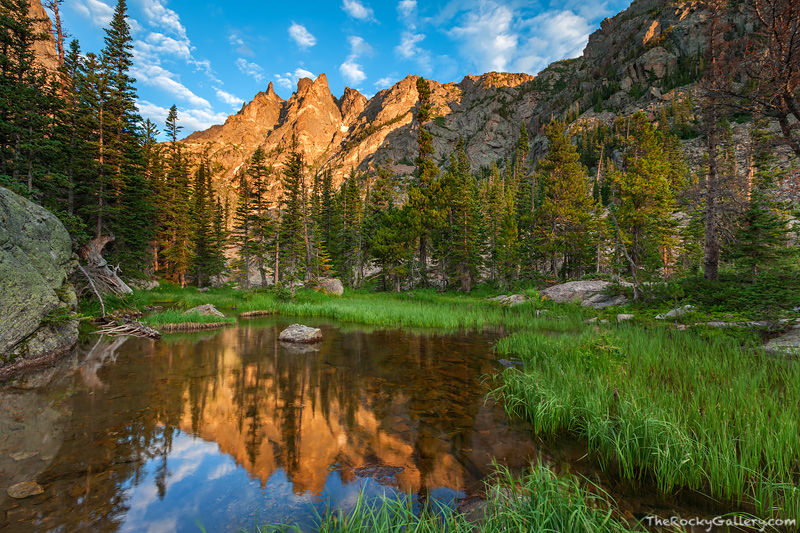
[213, 430]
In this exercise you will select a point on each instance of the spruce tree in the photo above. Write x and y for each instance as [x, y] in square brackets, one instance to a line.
[292, 237]
[566, 219]
[423, 193]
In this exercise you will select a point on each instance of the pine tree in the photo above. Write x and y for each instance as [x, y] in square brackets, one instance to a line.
[122, 151]
[459, 241]
[262, 224]
[644, 198]
[176, 206]
[423, 193]
[26, 104]
[243, 232]
[760, 242]
[566, 221]
[292, 226]
[207, 226]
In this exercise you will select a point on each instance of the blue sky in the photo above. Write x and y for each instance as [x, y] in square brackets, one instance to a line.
[209, 57]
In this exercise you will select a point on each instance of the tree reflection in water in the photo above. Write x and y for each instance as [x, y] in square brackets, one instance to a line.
[216, 426]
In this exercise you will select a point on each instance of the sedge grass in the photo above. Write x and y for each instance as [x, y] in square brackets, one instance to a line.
[537, 501]
[677, 407]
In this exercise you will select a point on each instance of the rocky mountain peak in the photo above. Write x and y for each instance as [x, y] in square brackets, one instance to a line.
[44, 50]
[351, 105]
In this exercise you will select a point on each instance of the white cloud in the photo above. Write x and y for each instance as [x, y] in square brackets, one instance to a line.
[160, 16]
[251, 69]
[98, 12]
[408, 44]
[357, 10]
[242, 48]
[301, 36]
[228, 98]
[160, 44]
[155, 75]
[190, 119]
[352, 72]
[386, 81]
[554, 35]
[350, 69]
[407, 7]
[288, 80]
[487, 36]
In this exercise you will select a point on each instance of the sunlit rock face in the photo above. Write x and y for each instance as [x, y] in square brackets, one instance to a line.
[44, 49]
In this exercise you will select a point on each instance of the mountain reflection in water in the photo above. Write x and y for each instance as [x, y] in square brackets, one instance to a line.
[212, 429]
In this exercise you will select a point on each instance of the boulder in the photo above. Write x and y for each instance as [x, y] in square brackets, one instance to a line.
[330, 286]
[509, 299]
[591, 293]
[300, 334]
[623, 317]
[36, 297]
[205, 310]
[676, 313]
[786, 344]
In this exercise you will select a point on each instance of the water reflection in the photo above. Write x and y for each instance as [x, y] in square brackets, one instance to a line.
[213, 428]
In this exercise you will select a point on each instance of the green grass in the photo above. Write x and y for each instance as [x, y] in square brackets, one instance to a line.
[415, 309]
[674, 409]
[172, 316]
[538, 501]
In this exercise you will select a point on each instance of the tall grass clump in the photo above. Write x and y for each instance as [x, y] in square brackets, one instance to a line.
[676, 408]
[538, 501]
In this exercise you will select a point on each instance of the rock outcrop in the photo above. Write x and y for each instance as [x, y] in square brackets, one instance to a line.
[44, 50]
[36, 298]
[593, 293]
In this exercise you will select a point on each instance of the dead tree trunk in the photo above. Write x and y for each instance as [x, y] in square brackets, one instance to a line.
[105, 279]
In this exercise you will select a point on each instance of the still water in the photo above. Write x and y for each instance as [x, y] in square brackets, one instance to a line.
[216, 430]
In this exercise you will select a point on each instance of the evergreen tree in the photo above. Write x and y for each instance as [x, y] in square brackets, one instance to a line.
[423, 193]
[760, 242]
[566, 220]
[207, 245]
[243, 232]
[176, 206]
[292, 227]
[644, 200]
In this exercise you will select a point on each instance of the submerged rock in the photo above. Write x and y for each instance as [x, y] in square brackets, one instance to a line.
[301, 334]
[592, 293]
[205, 310]
[24, 489]
[36, 297]
[330, 286]
[378, 472]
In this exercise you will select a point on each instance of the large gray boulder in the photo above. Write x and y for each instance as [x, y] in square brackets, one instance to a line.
[592, 293]
[330, 286]
[300, 334]
[36, 297]
[786, 344]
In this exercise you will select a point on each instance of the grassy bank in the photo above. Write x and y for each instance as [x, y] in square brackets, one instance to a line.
[538, 501]
[414, 309]
[674, 408]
